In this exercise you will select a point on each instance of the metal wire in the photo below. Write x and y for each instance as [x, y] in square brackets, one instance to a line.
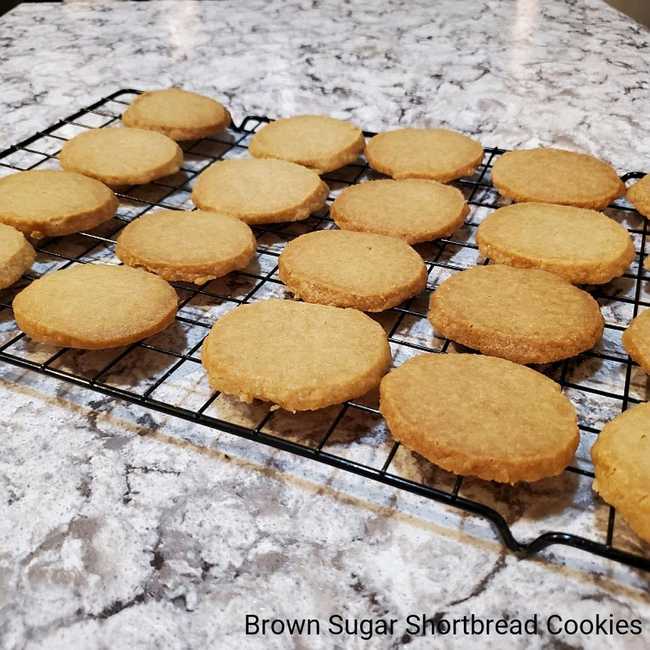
[40, 150]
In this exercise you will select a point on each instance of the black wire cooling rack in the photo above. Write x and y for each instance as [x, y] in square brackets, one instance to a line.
[164, 373]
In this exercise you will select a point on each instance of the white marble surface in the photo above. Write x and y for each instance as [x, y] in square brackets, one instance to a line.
[124, 529]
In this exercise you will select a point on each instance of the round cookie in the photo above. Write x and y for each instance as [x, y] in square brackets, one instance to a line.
[480, 416]
[260, 191]
[582, 246]
[437, 154]
[639, 195]
[316, 141]
[352, 269]
[95, 306]
[50, 203]
[414, 210]
[556, 176]
[179, 114]
[295, 354]
[193, 246]
[636, 340]
[621, 457]
[121, 156]
[16, 255]
[524, 315]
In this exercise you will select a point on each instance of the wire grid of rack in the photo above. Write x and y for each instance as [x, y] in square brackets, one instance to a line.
[164, 373]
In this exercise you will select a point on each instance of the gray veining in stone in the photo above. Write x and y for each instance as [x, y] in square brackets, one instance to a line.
[122, 528]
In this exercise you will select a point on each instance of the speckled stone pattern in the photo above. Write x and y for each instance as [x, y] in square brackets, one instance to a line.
[121, 528]
[502, 70]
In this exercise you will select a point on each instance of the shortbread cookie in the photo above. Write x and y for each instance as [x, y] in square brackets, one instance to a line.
[179, 114]
[16, 255]
[436, 154]
[621, 457]
[260, 191]
[525, 315]
[49, 203]
[352, 269]
[480, 416]
[636, 340]
[556, 176]
[316, 141]
[95, 306]
[193, 246]
[122, 156]
[639, 195]
[297, 355]
[582, 246]
[414, 210]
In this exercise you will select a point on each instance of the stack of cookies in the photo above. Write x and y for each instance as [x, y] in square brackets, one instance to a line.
[485, 415]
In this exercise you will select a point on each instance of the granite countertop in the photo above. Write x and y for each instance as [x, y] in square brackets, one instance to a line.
[122, 528]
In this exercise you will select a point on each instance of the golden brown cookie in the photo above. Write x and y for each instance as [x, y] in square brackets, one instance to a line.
[480, 416]
[525, 315]
[621, 457]
[352, 269]
[414, 210]
[556, 176]
[636, 340]
[121, 156]
[49, 203]
[436, 154]
[16, 255]
[95, 306]
[297, 355]
[179, 114]
[260, 191]
[316, 141]
[582, 246]
[193, 246]
[639, 195]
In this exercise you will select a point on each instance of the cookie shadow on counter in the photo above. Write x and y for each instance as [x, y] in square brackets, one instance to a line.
[535, 500]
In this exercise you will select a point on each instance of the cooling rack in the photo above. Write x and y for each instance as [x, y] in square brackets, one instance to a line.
[164, 373]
